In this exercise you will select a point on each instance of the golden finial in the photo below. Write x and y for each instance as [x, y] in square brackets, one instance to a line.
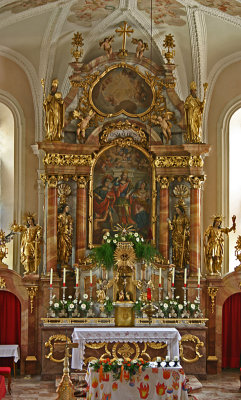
[169, 44]
[77, 42]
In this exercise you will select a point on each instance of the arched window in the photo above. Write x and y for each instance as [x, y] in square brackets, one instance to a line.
[6, 174]
[234, 182]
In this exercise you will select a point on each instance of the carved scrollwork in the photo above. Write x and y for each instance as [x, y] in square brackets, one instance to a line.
[178, 161]
[68, 159]
[123, 130]
[52, 342]
[194, 339]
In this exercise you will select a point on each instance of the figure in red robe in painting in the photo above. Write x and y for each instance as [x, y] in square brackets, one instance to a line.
[123, 190]
[104, 199]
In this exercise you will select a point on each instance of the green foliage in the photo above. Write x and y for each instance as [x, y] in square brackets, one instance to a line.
[116, 366]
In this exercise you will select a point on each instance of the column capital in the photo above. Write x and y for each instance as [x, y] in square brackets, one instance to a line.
[164, 181]
[196, 181]
[81, 181]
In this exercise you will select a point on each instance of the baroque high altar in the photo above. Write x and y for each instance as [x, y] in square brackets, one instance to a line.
[123, 161]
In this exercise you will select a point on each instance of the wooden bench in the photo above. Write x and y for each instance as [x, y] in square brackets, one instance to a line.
[6, 371]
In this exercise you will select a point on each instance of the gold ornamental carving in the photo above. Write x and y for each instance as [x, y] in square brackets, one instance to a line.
[77, 43]
[137, 134]
[164, 181]
[126, 351]
[51, 180]
[68, 159]
[124, 31]
[2, 283]
[196, 181]
[81, 181]
[32, 292]
[212, 292]
[53, 342]
[194, 339]
[178, 161]
[64, 190]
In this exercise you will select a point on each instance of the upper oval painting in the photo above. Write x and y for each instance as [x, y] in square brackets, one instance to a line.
[121, 89]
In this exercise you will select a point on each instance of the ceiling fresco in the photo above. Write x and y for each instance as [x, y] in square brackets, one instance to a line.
[168, 12]
[19, 6]
[85, 12]
[231, 7]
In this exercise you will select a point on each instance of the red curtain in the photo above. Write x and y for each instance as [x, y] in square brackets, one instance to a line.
[232, 332]
[10, 318]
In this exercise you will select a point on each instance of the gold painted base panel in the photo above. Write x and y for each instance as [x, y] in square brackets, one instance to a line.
[124, 316]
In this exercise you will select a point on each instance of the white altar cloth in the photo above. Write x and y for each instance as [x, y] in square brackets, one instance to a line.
[170, 336]
[10, 350]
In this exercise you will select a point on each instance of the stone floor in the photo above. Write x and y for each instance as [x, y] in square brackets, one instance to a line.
[225, 386]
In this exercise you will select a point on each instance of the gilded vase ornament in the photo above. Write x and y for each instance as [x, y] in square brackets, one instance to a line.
[64, 234]
[30, 244]
[194, 113]
[54, 112]
[214, 244]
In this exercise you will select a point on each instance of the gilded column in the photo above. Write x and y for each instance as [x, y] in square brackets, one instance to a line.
[52, 212]
[195, 223]
[164, 213]
[81, 209]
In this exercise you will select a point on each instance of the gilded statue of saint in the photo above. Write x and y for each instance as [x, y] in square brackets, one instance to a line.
[64, 234]
[180, 227]
[30, 244]
[54, 113]
[194, 112]
[213, 244]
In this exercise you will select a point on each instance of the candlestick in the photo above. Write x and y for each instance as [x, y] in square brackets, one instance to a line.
[199, 277]
[173, 290]
[173, 275]
[185, 276]
[149, 294]
[91, 276]
[64, 276]
[51, 277]
[77, 277]
[160, 291]
[160, 276]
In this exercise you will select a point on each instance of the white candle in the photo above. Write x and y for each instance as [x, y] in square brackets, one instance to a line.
[158, 359]
[160, 276]
[51, 276]
[77, 277]
[173, 275]
[106, 275]
[64, 276]
[167, 358]
[91, 276]
[185, 276]
[175, 358]
[198, 277]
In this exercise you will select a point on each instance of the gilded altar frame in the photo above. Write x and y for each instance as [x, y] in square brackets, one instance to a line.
[127, 142]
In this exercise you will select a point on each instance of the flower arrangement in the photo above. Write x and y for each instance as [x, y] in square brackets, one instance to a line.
[105, 253]
[69, 307]
[84, 305]
[139, 304]
[173, 308]
[108, 304]
[119, 368]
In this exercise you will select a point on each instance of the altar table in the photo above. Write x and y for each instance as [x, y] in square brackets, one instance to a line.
[151, 384]
[170, 336]
[10, 350]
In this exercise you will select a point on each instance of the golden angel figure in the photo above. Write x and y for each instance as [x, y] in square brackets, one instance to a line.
[194, 112]
[213, 244]
[54, 113]
[64, 234]
[30, 244]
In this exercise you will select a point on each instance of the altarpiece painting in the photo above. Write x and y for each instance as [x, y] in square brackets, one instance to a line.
[122, 192]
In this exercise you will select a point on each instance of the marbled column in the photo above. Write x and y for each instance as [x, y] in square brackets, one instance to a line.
[52, 224]
[81, 218]
[195, 224]
[164, 212]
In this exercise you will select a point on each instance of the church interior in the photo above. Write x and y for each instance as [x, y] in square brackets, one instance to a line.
[120, 212]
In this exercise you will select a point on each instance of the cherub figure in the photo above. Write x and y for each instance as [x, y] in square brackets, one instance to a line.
[84, 122]
[140, 48]
[106, 45]
[164, 122]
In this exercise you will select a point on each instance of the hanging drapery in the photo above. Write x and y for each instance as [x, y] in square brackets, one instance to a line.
[231, 343]
[10, 318]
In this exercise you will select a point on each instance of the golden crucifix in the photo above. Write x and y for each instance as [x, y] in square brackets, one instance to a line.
[124, 30]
